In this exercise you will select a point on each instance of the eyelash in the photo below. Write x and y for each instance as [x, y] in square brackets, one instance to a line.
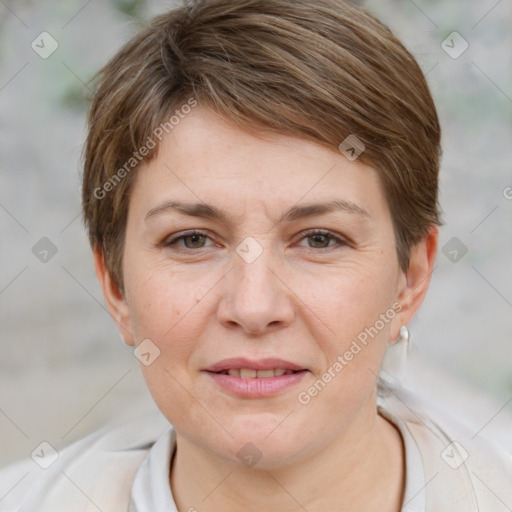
[311, 233]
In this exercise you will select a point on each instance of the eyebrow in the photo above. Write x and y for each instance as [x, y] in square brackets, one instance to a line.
[296, 212]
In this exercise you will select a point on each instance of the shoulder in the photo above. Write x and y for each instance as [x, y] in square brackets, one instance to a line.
[93, 473]
[464, 470]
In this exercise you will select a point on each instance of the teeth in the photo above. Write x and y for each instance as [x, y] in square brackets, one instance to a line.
[265, 374]
[247, 373]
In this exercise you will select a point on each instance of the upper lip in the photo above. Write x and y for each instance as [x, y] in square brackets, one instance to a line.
[261, 364]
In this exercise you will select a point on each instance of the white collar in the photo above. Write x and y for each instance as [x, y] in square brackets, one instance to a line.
[151, 491]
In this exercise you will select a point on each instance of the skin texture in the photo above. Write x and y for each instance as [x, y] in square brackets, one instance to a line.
[303, 299]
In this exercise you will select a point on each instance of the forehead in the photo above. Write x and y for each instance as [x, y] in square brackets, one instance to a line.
[207, 159]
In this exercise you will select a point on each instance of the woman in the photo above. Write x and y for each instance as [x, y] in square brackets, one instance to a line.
[261, 195]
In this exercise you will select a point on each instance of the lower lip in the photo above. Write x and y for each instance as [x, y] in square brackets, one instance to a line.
[256, 388]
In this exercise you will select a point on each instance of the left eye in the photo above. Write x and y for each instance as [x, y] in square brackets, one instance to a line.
[194, 236]
[321, 239]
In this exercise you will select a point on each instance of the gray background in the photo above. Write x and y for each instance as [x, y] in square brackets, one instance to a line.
[64, 370]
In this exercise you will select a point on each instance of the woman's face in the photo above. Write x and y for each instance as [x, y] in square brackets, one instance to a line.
[256, 290]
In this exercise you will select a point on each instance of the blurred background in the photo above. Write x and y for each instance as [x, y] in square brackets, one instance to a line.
[64, 370]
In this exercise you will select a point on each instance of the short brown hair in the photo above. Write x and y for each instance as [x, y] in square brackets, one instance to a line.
[321, 70]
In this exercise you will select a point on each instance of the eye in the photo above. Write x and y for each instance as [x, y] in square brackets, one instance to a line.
[322, 238]
[192, 240]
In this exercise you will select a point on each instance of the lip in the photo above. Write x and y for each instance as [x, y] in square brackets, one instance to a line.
[255, 387]
[262, 364]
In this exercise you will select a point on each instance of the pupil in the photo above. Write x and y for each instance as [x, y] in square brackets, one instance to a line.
[318, 238]
[195, 238]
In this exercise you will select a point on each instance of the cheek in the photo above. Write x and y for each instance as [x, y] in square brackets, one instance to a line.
[165, 310]
[170, 307]
[353, 303]
[169, 311]
[347, 300]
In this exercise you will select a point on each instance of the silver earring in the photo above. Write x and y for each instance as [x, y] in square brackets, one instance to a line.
[395, 359]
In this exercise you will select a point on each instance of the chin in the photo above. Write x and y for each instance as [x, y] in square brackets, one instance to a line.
[263, 441]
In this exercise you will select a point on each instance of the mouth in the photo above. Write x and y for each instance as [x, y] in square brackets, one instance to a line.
[251, 369]
[247, 378]
[249, 373]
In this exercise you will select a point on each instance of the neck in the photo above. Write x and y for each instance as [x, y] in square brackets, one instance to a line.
[363, 469]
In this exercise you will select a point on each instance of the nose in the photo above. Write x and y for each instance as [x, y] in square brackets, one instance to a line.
[255, 296]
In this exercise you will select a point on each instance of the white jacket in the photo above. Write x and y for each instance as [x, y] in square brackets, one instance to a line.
[449, 468]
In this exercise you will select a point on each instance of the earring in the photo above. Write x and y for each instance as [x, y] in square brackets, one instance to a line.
[395, 359]
[403, 336]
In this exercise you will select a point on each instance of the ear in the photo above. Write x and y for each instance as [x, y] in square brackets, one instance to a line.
[116, 303]
[415, 281]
